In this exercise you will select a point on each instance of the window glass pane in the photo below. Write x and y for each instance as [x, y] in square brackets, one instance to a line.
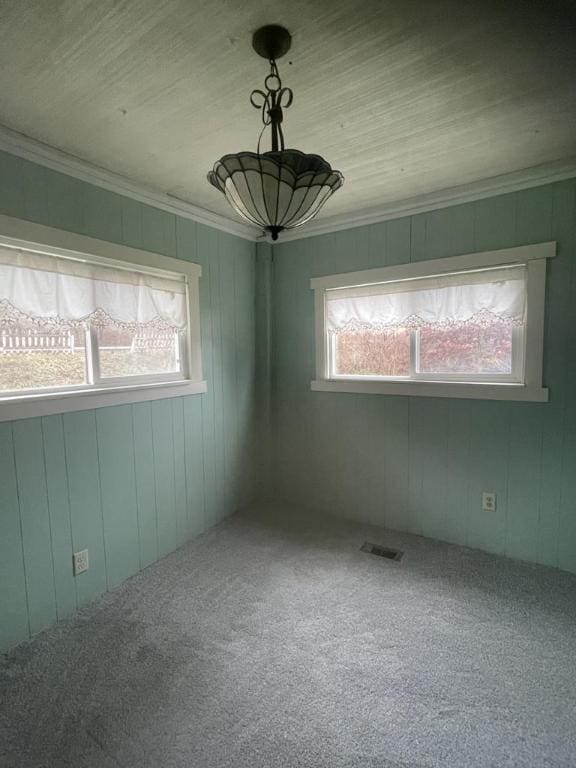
[32, 357]
[467, 349]
[372, 354]
[141, 352]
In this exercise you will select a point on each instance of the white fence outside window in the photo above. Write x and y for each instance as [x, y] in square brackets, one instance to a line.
[36, 341]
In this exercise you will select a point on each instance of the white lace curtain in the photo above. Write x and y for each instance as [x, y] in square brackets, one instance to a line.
[52, 290]
[487, 296]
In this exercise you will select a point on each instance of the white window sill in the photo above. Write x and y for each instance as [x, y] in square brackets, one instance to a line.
[475, 391]
[29, 405]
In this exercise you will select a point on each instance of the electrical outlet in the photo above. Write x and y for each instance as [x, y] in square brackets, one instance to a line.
[488, 502]
[80, 562]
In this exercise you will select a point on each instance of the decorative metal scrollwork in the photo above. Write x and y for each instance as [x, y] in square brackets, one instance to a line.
[272, 102]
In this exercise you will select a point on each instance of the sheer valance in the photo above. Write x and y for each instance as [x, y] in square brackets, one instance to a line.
[45, 289]
[485, 296]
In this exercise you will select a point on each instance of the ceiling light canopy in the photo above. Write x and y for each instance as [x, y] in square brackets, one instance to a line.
[283, 188]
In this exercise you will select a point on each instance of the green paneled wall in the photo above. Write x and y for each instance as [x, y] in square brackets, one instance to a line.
[131, 482]
[420, 464]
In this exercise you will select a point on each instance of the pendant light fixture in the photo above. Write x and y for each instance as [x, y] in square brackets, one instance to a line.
[283, 188]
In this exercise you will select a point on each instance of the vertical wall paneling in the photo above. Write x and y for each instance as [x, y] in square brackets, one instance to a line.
[82, 461]
[462, 229]
[132, 483]
[59, 512]
[194, 463]
[421, 464]
[371, 459]
[102, 213]
[35, 185]
[567, 523]
[11, 185]
[163, 442]
[248, 404]
[217, 376]
[189, 246]
[13, 598]
[206, 252]
[145, 480]
[263, 307]
[428, 465]
[228, 369]
[118, 490]
[158, 231]
[66, 203]
[559, 368]
[397, 238]
[457, 472]
[488, 467]
[128, 483]
[394, 501]
[132, 223]
[182, 522]
[35, 522]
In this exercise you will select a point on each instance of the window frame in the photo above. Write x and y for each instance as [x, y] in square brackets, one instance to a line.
[530, 388]
[112, 390]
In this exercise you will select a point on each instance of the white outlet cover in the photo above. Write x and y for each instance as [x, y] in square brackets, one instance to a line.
[80, 561]
[489, 502]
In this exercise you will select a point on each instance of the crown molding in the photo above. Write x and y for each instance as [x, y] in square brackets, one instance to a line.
[42, 154]
[443, 198]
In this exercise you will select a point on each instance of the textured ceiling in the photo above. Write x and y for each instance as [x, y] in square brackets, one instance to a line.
[404, 97]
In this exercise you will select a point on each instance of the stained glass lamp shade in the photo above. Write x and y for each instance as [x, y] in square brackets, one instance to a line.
[283, 188]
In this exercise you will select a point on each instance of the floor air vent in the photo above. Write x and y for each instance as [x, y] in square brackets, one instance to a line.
[375, 549]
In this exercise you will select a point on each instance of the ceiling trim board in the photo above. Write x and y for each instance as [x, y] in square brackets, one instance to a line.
[43, 154]
[29, 149]
[444, 198]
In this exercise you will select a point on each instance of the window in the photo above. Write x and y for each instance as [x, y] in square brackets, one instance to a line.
[80, 330]
[469, 326]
